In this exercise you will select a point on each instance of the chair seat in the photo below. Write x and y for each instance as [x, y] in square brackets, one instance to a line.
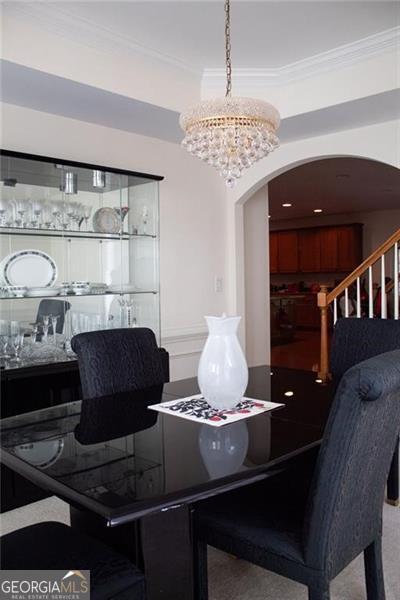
[265, 517]
[54, 545]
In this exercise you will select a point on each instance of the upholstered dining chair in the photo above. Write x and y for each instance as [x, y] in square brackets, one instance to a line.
[311, 532]
[118, 360]
[56, 546]
[355, 340]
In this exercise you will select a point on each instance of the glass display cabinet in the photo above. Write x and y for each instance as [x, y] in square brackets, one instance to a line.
[79, 251]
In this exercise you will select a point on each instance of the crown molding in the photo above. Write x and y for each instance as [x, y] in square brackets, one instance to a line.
[342, 56]
[59, 20]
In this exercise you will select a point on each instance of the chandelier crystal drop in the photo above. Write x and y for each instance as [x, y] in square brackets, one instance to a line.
[230, 133]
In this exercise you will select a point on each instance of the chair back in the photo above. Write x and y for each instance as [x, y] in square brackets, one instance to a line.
[355, 340]
[56, 308]
[344, 512]
[117, 360]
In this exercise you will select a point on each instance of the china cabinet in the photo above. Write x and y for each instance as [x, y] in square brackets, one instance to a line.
[79, 251]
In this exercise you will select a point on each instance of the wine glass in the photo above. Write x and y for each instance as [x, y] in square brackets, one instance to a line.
[47, 215]
[56, 212]
[4, 208]
[37, 208]
[17, 342]
[87, 211]
[46, 320]
[20, 208]
[54, 319]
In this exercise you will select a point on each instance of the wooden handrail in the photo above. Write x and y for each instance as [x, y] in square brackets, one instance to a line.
[324, 298]
[368, 262]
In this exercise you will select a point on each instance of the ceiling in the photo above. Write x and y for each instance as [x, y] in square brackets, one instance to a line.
[265, 34]
[337, 185]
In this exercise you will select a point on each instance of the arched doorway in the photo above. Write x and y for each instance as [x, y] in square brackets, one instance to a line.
[345, 189]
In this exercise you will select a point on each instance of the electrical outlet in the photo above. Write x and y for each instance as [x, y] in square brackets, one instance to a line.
[218, 284]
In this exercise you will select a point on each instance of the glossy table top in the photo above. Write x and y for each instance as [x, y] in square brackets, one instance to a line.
[116, 457]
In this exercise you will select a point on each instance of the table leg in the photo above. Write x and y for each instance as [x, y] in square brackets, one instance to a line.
[167, 552]
[393, 479]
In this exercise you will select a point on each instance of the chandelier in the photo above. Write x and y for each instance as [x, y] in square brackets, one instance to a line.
[230, 133]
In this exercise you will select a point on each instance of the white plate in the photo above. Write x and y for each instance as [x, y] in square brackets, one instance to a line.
[106, 220]
[41, 454]
[32, 268]
[43, 292]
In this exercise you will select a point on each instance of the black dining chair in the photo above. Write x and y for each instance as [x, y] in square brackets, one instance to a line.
[118, 360]
[355, 340]
[311, 532]
[56, 308]
[56, 546]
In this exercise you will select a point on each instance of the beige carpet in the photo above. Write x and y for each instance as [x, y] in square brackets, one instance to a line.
[232, 579]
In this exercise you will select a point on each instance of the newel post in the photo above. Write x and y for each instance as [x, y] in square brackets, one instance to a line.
[324, 355]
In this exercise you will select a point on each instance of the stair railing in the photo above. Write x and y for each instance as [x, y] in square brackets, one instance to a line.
[328, 300]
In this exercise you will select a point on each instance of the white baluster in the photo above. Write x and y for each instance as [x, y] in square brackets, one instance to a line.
[358, 298]
[346, 302]
[335, 311]
[396, 281]
[383, 289]
[370, 294]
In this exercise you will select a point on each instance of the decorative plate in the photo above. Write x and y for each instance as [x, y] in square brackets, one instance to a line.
[106, 220]
[30, 268]
[42, 453]
[38, 292]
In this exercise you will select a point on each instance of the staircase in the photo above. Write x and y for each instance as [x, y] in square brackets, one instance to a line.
[347, 296]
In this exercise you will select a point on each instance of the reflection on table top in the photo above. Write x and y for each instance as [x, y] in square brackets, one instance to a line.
[115, 456]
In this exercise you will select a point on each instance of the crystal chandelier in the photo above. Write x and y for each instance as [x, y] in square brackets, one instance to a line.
[230, 133]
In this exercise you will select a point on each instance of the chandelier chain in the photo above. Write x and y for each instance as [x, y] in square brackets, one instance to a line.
[228, 48]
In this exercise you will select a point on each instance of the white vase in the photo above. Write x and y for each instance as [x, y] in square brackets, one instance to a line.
[223, 374]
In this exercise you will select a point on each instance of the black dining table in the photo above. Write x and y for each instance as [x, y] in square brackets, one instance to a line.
[132, 476]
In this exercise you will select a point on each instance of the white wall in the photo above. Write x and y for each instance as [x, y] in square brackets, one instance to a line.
[193, 215]
[256, 262]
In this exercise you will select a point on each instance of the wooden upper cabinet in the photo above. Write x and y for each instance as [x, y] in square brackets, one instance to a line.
[309, 251]
[288, 252]
[349, 247]
[273, 252]
[329, 249]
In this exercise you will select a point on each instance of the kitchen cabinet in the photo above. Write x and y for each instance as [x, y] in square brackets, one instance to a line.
[349, 247]
[310, 251]
[288, 252]
[331, 249]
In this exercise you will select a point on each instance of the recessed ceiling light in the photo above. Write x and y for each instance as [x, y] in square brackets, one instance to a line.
[269, 216]
[317, 210]
[318, 381]
[289, 393]
[286, 205]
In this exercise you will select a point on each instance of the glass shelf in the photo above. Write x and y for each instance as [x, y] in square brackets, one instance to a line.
[120, 292]
[66, 234]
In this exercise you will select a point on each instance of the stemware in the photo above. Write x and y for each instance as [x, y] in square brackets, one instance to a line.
[18, 342]
[37, 208]
[54, 319]
[4, 208]
[4, 339]
[87, 211]
[20, 208]
[46, 319]
[56, 212]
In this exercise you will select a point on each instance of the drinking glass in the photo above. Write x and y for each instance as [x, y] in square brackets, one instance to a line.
[4, 208]
[87, 211]
[56, 212]
[47, 215]
[37, 208]
[20, 209]
[17, 342]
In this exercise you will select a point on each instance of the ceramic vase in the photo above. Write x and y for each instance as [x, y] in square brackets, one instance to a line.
[223, 374]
